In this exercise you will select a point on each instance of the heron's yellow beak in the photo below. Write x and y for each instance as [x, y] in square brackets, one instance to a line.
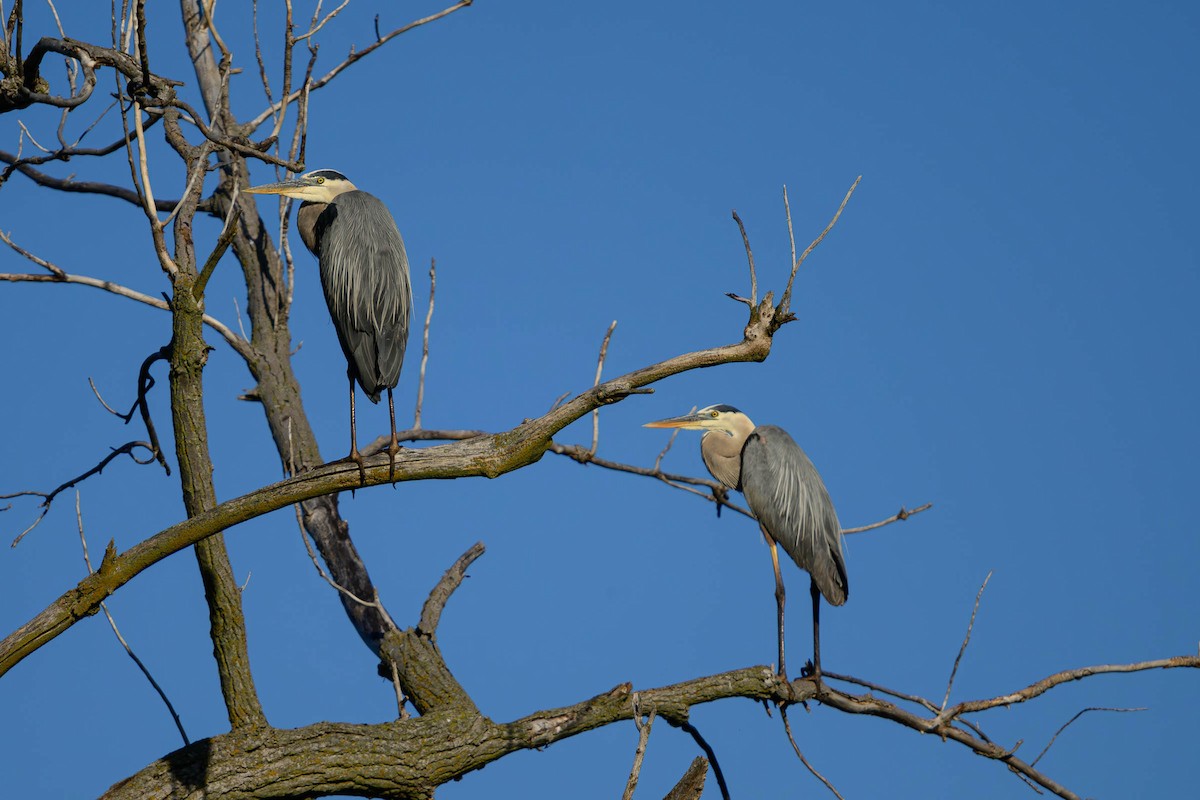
[290, 188]
[686, 421]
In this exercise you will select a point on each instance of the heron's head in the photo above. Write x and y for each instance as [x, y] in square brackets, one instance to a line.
[719, 418]
[318, 186]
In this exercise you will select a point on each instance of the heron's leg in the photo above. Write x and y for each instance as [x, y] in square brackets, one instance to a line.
[394, 446]
[816, 600]
[355, 456]
[780, 597]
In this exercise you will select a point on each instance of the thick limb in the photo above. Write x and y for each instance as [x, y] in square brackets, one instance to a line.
[780, 597]
[394, 445]
[355, 456]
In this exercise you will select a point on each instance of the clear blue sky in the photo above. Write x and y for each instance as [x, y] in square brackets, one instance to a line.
[1003, 323]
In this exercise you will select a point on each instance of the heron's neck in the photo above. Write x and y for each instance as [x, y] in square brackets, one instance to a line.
[306, 223]
[722, 455]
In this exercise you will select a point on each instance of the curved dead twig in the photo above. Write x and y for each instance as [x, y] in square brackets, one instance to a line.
[1067, 724]
[30, 92]
[126, 449]
[787, 727]
[710, 754]
[145, 384]
[749, 258]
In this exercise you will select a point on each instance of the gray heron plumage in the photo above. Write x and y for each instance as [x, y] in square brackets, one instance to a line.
[364, 276]
[786, 494]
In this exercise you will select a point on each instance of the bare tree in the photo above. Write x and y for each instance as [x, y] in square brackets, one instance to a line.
[185, 127]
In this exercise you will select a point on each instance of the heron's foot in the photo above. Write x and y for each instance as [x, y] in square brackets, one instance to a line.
[809, 670]
[392, 450]
[357, 458]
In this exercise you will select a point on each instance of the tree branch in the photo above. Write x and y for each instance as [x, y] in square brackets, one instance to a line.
[488, 456]
[239, 345]
[409, 758]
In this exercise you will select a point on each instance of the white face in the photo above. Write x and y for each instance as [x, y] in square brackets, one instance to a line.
[709, 420]
[319, 188]
[312, 187]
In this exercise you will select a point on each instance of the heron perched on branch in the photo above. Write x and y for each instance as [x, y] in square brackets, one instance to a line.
[364, 274]
[786, 494]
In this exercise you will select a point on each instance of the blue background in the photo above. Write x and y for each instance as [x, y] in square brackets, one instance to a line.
[1002, 323]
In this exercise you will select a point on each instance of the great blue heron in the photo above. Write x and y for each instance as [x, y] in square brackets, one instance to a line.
[786, 494]
[364, 273]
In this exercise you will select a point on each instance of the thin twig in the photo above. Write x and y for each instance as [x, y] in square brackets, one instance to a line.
[787, 726]
[58, 272]
[32, 139]
[663, 453]
[1072, 719]
[350, 59]
[113, 624]
[228, 232]
[639, 754]
[197, 174]
[321, 570]
[749, 257]
[48, 497]
[425, 343]
[1067, 676]
[716, 493]
[785, 303]
[107, 407]
[967, 638]
[600, 368]
[317, 27]
[401, 700]
[377, 444]
[899, 516]
[912, 698]
[239, 345]
[210, 8]
[787, 210]
[143, 169]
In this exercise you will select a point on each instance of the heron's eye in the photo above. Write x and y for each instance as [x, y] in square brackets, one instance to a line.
[320, 179]
[713, 414]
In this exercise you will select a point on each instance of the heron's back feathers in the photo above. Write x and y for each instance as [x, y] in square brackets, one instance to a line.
[786, 493]
[364, 274]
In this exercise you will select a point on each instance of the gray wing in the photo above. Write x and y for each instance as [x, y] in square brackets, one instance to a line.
[789, 498]
[364, 272]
